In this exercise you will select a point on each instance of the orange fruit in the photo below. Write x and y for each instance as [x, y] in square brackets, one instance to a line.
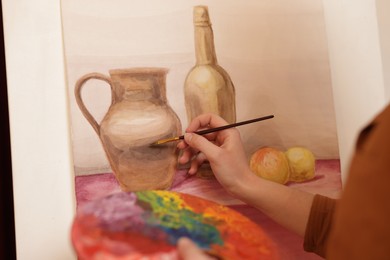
[271, 164]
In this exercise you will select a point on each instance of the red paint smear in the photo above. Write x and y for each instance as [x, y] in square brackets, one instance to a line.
[243, 239]
[89, 239]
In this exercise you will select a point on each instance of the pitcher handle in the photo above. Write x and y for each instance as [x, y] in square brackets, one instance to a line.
[79, 99]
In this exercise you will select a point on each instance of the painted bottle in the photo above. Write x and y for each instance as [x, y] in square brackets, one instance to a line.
[208, 87]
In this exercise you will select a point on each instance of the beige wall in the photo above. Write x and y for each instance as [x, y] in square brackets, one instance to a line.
[41, 162]
[41, 154]
[383, 7]
[356, 68]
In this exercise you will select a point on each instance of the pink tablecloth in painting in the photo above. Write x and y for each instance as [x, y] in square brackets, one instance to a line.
[327, 182]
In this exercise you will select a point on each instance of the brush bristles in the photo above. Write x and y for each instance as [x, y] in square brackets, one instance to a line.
[167, 140]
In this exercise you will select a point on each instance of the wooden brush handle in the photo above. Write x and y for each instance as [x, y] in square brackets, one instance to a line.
[211, 130]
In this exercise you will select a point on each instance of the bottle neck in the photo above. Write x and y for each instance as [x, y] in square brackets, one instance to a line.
[204, 45]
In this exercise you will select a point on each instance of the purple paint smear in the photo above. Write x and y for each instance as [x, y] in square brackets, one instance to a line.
[117, 213]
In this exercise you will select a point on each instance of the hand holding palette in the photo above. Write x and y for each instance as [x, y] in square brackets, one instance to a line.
[148, 224]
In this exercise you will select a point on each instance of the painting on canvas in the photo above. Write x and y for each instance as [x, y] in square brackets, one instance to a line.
[275, 53]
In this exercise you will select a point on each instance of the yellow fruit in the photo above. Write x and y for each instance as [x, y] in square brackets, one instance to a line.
[271, 164]
[302, 164]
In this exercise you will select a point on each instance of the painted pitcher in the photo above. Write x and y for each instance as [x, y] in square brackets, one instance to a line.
[139, 114]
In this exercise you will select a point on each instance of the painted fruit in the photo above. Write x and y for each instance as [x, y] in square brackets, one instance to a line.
[271, 164]
[302, 164]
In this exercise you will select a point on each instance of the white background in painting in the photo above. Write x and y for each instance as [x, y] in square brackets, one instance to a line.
[275, 52]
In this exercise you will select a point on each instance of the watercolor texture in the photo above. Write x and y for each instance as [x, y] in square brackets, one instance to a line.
[275, 52]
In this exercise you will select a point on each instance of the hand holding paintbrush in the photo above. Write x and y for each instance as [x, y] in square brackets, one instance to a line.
[211, 130]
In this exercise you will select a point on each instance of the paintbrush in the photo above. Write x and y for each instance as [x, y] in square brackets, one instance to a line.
[211, 130]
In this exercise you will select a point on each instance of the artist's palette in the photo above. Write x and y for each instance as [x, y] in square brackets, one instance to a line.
[147, 225]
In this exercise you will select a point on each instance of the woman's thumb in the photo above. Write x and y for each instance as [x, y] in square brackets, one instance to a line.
[200, 143]
[189, 251]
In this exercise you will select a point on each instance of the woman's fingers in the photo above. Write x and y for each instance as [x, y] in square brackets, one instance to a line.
[200, 143]
[187, 155]
[189, 251]
[196, 163]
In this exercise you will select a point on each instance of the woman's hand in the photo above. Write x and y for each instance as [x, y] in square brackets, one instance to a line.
[189, 251]
[223, 150]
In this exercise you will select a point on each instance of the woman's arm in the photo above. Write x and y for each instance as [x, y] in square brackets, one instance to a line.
[224, 151]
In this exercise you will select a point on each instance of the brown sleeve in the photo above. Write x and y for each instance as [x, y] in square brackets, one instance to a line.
[361, 228]
[319, 224]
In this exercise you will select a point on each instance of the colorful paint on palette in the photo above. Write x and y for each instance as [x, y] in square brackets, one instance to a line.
[149, 223]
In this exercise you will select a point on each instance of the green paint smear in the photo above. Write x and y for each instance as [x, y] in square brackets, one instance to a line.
[177, 219]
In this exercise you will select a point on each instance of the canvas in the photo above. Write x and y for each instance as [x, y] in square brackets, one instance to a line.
[274, 52]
